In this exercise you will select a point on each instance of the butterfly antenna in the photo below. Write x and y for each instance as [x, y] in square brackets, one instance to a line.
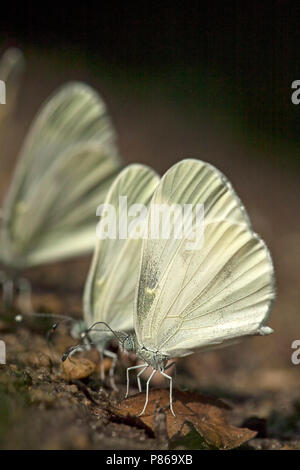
[68, 352]
[64, 318]
[73, 348]
[103, 323]
[53, 328]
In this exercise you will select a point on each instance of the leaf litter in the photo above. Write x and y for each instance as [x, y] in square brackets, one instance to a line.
[206, 415]
[46, 404]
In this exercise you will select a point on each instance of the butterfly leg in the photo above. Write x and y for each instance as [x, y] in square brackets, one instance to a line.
[111, 373]
[170, 365]
[147, 392]
[171, 386]
[24, 299]
[88, 344]
[138, 378]
[127, 376]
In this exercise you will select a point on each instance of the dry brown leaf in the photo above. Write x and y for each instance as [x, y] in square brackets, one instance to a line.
[84, 364]
[206, 414]
[78, 368]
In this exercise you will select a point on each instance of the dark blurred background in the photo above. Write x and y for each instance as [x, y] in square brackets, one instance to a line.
[234, 58]
[212, 81]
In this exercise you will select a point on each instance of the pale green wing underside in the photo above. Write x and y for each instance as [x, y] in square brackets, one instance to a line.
[192, 299]
[66, 166]
[112, 279]
[12, 65]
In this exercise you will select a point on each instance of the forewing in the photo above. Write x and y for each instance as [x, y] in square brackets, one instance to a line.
[189, 299]
[215, 295]
[68, 161]
[111, 283]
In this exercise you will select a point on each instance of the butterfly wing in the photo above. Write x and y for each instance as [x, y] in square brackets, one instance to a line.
[112, 279]
[190, 299]
[67, 164]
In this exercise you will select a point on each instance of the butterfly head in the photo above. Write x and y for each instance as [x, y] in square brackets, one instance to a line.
[127, 341]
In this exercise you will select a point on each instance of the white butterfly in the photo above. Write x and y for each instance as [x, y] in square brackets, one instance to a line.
[189, 300]
[111, 282]
[67, 164]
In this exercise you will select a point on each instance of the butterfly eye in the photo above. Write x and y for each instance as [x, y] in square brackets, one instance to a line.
[129, 343]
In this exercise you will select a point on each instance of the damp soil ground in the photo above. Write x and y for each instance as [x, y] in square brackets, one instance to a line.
[41, 409]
